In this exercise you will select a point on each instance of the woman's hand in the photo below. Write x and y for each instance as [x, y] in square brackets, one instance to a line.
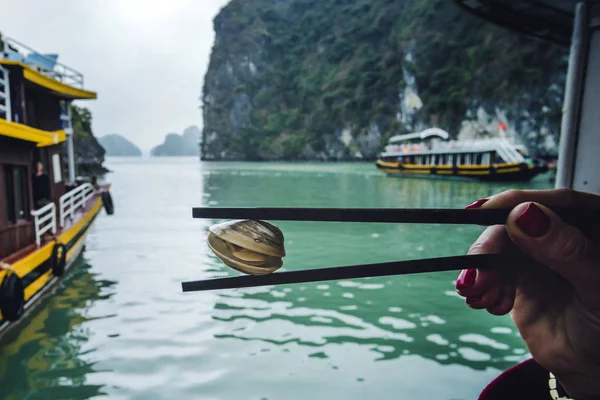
[555, 304]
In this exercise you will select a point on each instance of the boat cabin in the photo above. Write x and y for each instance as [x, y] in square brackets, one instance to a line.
[432, 147]
[430, 152]
[35, 96]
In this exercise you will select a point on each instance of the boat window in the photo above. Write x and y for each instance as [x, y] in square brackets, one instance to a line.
[478, 158]
[486, 159]
[17, 195]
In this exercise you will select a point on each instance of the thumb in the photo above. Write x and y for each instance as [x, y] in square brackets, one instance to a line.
[547, 239]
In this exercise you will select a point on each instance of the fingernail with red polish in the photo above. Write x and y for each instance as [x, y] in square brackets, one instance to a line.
[533, 221]
[476, 204]
[466, 278]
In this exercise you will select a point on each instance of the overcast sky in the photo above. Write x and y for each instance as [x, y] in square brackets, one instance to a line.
[146, 59]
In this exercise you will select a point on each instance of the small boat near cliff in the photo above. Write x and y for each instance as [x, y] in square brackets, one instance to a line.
[432, 153]
[45, 212]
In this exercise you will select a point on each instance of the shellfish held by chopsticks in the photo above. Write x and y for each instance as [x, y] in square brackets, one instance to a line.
[249, 246]
[255, 247]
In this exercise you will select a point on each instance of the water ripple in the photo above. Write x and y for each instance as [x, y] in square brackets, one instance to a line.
[120, 327]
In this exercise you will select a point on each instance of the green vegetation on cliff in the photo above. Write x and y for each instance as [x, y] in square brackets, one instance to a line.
[287, 76]
[89, 154]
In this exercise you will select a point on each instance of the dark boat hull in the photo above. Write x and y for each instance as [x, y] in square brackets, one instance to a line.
[495, 173]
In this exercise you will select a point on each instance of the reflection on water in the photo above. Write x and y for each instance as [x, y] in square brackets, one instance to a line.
[45, 360]
[144, 339]
[392, 317]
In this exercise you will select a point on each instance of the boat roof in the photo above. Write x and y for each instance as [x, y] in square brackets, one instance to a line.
[546, 19]
[43, 70]
[54, 86]
[420, 135]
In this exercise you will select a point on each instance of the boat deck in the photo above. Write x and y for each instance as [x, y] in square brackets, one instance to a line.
[80, 213]
[34, 264]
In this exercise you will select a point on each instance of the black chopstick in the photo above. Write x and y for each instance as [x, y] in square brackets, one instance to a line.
[453, 263]
[576, 217]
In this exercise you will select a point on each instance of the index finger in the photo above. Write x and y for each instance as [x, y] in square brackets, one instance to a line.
[550, 198]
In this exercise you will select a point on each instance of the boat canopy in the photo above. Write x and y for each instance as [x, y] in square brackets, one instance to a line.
[547, 19]
[436, 132]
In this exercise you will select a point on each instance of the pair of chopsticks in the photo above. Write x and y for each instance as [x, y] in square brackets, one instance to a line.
[584, 219]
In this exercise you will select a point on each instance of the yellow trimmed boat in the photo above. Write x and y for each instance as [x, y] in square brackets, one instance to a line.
[44, 218]
[431, 153]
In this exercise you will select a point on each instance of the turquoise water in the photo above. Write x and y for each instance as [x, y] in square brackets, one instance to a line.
[120, 327]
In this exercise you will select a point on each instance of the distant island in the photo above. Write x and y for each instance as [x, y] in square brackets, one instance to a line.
[179, 145]
[117, 145]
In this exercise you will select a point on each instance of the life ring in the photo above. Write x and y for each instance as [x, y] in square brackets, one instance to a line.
[58, 262]
[12, 297]
[108, 203]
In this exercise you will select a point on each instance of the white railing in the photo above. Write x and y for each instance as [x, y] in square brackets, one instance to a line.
[44, 220]
[71, 201]
[45, 64]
